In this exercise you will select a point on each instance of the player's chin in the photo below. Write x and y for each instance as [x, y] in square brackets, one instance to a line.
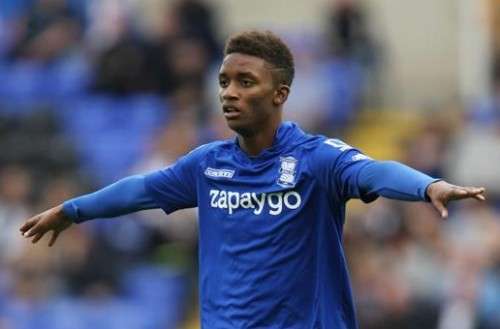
[237, 125]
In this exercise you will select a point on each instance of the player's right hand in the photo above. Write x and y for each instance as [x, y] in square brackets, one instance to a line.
[53, 220]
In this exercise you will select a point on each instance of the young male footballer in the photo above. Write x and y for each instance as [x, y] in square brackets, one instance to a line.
[271, 202]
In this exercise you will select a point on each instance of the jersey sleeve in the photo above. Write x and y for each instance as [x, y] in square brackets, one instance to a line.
[337, 166]
[175, 187]
[395, 180]
[120, 198]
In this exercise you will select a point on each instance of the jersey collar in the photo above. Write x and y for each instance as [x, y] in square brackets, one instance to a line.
[287, 135]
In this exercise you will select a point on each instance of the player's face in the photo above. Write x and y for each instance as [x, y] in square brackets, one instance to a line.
[247, 93]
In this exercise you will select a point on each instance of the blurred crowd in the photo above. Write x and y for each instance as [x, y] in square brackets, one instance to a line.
[92, 91]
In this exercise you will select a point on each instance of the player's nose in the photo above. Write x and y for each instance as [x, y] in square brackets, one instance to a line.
[229, 93]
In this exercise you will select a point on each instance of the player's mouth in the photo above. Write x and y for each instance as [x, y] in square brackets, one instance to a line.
[230, 112]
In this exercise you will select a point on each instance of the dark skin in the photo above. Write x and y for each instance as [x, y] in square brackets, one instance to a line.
[252, 102]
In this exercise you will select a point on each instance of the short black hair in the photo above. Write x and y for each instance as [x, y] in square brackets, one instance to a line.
[269, 47]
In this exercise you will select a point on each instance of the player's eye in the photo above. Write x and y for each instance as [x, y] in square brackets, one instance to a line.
[247, 83]
[223, 83]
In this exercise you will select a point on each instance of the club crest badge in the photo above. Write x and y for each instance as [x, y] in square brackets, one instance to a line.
[288, 170]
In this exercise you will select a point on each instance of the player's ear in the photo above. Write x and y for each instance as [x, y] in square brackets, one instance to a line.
[281, 94]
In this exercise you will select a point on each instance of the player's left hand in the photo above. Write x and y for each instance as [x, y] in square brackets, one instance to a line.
[441, 192]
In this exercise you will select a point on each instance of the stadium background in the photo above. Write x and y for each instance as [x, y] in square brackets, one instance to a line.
[91, 91]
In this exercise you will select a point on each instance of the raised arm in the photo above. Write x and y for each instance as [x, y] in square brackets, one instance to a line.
[125, 196]
[396, 181]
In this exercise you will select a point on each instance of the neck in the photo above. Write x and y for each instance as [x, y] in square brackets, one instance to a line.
[254, 143]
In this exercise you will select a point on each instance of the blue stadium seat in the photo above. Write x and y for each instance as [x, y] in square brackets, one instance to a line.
[28, 314]
[97, 313]
[10, 9]
[28, 85]
[69, 77]
[112, 134]
[345, 82]
[22, 85]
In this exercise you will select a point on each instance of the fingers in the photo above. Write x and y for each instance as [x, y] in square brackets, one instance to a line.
[441, 208]
[459, 192]
[53, 238]
[479, 193]
[480, 197]
[37, 233]
[37, 237]
[28, 225]
[33, 229]
[474, 191]
[36, 227]
[441, 194]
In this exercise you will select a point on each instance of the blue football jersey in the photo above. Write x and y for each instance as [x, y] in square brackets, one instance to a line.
[270, 229]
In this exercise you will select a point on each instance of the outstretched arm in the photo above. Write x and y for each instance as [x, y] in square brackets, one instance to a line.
[125, 196]
[396, 181]
[171, 188]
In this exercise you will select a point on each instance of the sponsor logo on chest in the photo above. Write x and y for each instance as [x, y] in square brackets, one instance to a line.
[273, 203]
